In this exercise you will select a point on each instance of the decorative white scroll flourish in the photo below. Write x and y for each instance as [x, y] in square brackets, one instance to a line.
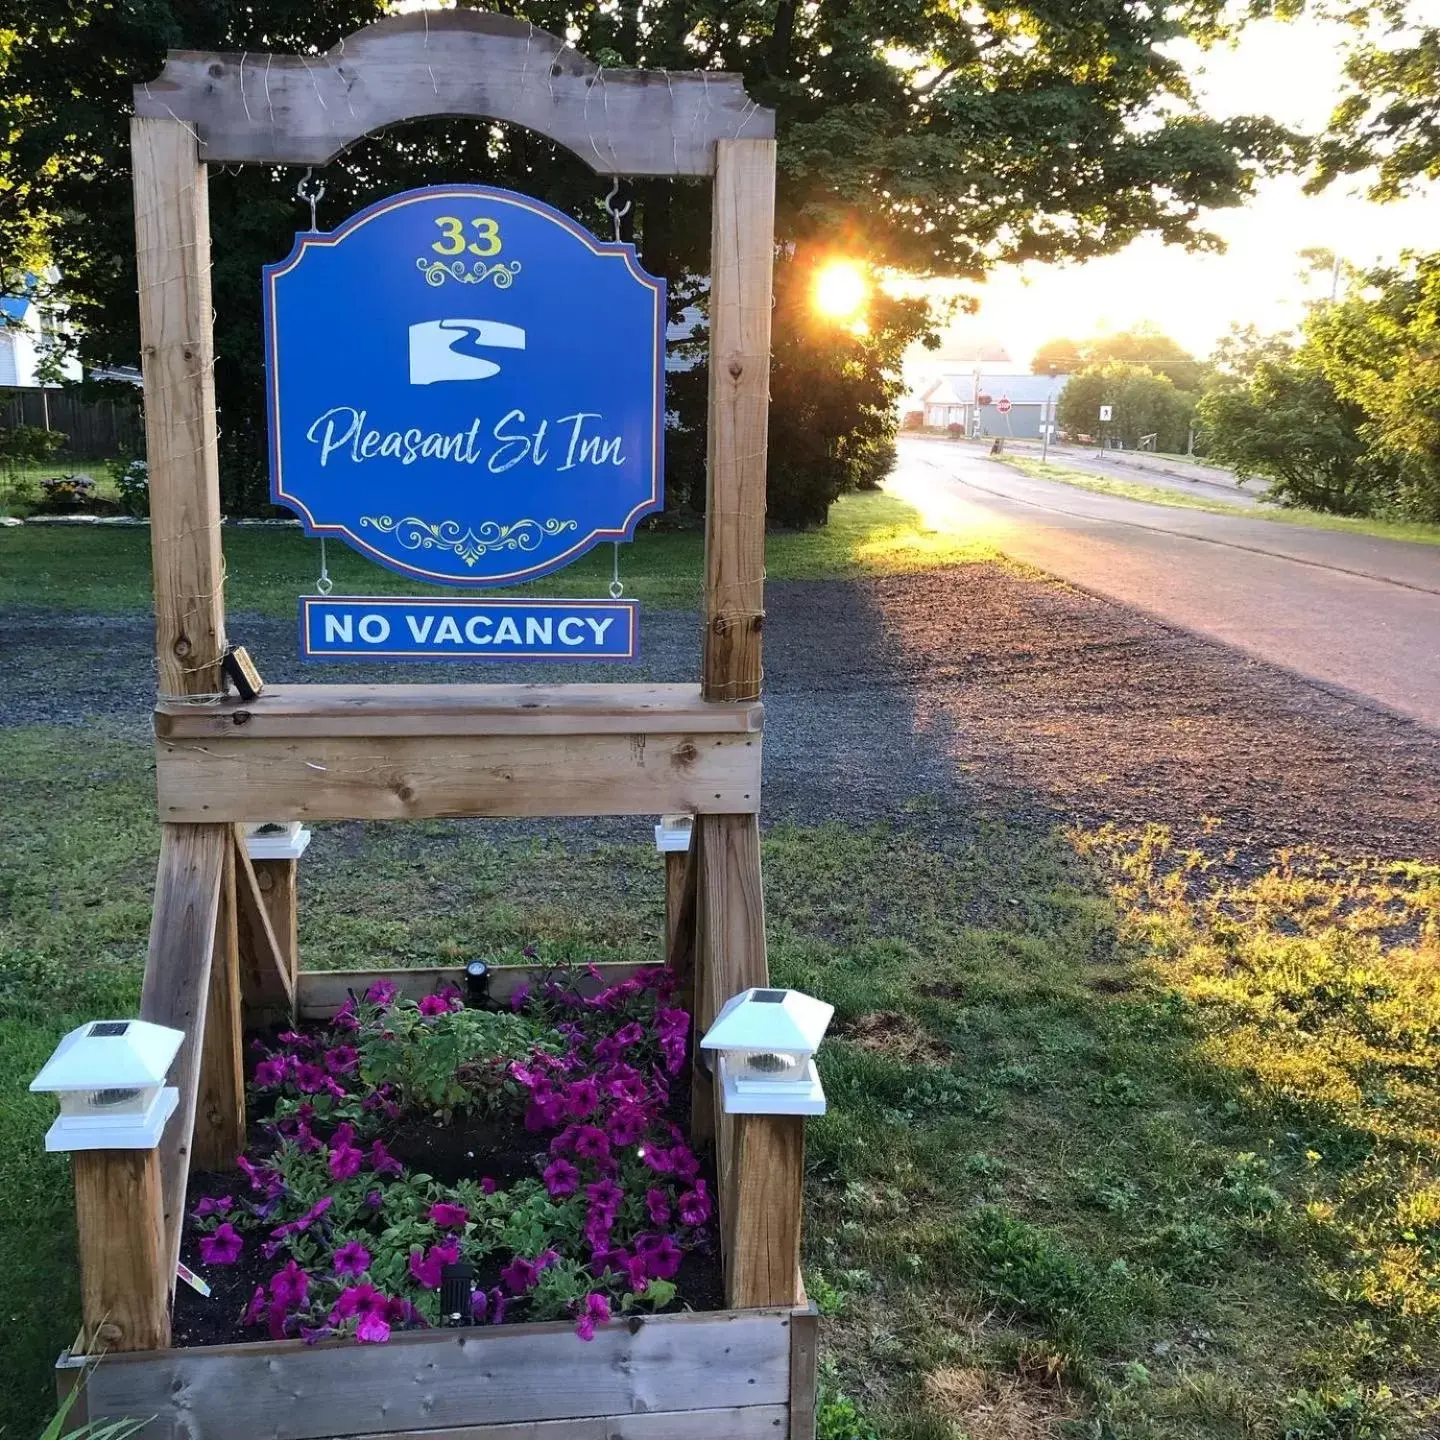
[469, 545]
[437, 272]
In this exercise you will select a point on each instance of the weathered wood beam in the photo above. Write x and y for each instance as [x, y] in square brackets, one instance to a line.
[241, 777]
[266, 981]
[176, 992]
[305, 110]
[307, 712]
[742, 256]
[279, 882]
[124, 1297]
[804, 1372]
[177, 356]
[511, 1375]
[220, 1099]
[762, 1199]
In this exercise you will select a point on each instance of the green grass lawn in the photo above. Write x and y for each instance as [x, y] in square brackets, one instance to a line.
[107, 568]
[1112, 1143]
[1160, 495]
[1118, 1148]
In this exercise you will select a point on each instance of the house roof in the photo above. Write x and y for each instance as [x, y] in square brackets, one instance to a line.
[959, 388]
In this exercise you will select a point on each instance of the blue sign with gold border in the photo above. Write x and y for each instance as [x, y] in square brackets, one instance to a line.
[465, 385]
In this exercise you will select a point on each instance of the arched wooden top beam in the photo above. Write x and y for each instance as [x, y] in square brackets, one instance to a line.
[305, 110]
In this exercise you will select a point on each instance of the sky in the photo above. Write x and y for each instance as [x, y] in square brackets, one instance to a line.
[1291, 72]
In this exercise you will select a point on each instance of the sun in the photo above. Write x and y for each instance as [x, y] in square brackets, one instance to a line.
[841, 290]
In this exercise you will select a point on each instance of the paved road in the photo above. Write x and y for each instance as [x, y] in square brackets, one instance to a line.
[1350, 611]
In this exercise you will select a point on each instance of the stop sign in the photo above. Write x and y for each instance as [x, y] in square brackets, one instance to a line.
[1004, 405]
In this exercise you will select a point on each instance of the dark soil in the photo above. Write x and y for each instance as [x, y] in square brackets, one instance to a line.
[466, 1147]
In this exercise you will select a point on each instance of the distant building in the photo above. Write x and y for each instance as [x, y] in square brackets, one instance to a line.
[972, 398]
[27, 329]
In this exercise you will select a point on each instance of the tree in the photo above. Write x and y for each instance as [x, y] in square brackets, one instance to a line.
[1380, 350]
[1144, 345]
[1272, 411]
[1389, 116]
[915, 135]
[1143, 402]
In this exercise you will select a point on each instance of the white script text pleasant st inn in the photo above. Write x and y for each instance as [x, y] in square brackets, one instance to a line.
[344, 433]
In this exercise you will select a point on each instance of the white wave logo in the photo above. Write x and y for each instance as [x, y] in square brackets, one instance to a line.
[451, 349]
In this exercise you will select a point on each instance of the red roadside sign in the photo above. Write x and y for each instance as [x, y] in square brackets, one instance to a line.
[1004, 405]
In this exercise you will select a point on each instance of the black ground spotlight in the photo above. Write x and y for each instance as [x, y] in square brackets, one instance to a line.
[477, 985]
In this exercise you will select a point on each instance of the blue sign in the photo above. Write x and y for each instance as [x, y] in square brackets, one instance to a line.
[362, 628]
[465, 385]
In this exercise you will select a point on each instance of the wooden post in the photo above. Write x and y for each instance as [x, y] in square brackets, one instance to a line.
[742, 257]
[804, 1371]
[172, 236]
[176, 992]
[220, 1100]
[123, 1292]
[765, 1192]
[279, 882]
[267, 972]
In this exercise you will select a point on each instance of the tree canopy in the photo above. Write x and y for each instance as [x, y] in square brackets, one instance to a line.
[1143, 403]
[1388, 119]
[913, 134]
[1145, 346]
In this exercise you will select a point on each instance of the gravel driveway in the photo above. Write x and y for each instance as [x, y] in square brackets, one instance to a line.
[931, 700]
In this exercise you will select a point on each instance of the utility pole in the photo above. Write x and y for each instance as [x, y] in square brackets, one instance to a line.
[1047, 418]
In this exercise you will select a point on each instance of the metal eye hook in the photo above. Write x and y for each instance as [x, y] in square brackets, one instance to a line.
[311, 194]
[617, 215]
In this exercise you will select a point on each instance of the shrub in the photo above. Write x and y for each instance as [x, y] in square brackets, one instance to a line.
[30, 443]
[132, 481]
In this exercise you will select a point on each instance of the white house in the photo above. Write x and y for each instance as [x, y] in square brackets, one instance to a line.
[973, 400]
[26, 328]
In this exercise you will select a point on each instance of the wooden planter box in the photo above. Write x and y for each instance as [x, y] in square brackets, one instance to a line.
[725, 1375]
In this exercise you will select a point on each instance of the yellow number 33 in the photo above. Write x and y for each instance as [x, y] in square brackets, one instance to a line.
[452, 242]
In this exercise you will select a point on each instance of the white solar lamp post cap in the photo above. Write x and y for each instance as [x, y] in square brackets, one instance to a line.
[110, 1077]
[672, 834]
[276, 840]
[767, 1041]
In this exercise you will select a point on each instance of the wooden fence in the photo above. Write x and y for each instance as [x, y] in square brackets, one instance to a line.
[96, 429]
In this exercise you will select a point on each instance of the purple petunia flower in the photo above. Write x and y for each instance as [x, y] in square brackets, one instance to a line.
[373, 1200]
[382, 1162]
[487, 1185]
[605, 1195]
[352, 1258]
[345, 1162]
[582, 1097]
[626, 1125]
[342, 1059]
[289, 1287]
[223, 1247]
[521, 997]
[309, 1077]
[382, 993]
[372, 1330]
[561, 1178]
[427, 1269]
[214, 1205]
[591, 1144]
[256, 1308]
[631, 1034]
[694, 1205]
[448, 1216]
[661, 1254]
[657, 1203]
[594, 1310]
[521, 1274]
[270, 1072]
[432, 1005]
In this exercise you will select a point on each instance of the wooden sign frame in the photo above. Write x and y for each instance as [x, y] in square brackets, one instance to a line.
[222, 947]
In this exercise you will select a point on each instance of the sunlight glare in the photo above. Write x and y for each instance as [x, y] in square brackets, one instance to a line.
[841, 290]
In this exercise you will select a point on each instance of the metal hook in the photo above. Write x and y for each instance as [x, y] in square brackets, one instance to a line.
[617, 215]
[312, 195]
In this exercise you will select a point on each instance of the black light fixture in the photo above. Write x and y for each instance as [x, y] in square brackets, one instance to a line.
[457, 1282]
[477, 985]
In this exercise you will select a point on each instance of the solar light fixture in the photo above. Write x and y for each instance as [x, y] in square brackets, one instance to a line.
[276, 840]
[457, 1280]
[672, 834]
[766, 1041]
[110, 1077]
[477, 985]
